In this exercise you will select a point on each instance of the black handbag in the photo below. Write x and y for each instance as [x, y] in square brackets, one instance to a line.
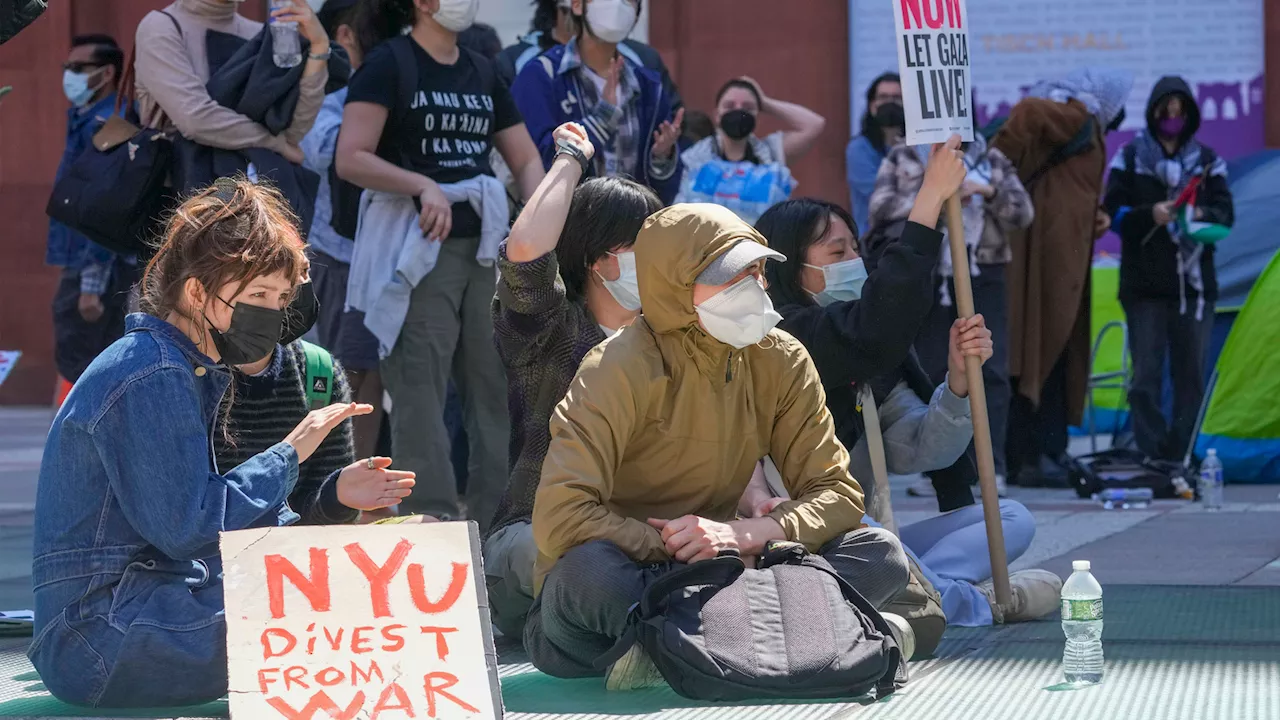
[824, 639]
[114, 193]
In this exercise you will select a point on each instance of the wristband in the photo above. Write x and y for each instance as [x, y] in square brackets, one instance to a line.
[327, 54]
[564, 147]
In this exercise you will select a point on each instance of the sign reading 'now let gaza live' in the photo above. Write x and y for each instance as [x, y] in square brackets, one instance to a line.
[358, 623]
[933, 60]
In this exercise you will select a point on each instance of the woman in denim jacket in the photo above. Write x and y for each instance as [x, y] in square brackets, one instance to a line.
[127, 575]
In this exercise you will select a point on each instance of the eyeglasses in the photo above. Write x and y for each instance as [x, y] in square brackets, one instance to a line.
[79, 67]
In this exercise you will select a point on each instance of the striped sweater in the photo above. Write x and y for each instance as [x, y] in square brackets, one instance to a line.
[267, 408]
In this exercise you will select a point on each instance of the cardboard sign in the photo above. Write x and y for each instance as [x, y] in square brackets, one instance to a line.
[8, 358]
[933, 60]
[359, 623]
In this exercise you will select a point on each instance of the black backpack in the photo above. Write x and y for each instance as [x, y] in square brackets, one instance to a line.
[114, 193]
[695, 624]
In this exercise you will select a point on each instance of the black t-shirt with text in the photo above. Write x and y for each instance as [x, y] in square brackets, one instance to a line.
[448, 131]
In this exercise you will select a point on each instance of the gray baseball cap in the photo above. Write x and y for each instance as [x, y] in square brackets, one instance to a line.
[739, 257]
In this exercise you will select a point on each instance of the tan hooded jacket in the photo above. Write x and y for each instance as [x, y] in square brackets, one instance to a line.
[662, 420]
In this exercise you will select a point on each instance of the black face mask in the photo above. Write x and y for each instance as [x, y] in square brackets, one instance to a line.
[890, 115]
[301, 314]
[737, 124]
[252, 335]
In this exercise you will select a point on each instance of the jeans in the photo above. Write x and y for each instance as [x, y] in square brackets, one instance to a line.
[990, 298]
[509, 555]
[1156, 328]
[952, 551]
[586, 598]
[76, 340]
[448, 331]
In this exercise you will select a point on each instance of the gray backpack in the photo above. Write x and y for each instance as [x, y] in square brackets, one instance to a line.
[825, 640]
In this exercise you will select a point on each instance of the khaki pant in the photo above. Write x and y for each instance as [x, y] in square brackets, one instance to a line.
[448, 330]
[509, 555]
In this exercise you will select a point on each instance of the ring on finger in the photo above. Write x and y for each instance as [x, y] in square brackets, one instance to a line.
[369, 464]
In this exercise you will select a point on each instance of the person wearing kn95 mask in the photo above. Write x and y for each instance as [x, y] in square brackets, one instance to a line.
[658, 435]
[568, 281]
[626, 110]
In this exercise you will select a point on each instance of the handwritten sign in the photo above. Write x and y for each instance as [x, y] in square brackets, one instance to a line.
[359, 623]
[933, 60]
[8, 358]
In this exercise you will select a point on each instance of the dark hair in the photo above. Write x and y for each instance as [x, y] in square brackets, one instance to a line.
[336, 13]
[791, 227]
[377, 21]
[481, 38]
[697, 125]
[871, 130]
[736, 83]
[546, 13]
[106, 51]
[606, 214]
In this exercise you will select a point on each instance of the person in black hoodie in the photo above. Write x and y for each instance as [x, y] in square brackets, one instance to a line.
[1163, 184]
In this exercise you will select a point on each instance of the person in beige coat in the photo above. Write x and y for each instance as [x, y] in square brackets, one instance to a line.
[658, 436]
[172, 69]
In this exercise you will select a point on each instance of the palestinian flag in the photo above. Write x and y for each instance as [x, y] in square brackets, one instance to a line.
[1198, 231]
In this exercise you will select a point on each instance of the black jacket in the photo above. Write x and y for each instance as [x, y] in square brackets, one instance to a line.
[869, 340]
[1148, 256]
[245, 78]
[648, 57]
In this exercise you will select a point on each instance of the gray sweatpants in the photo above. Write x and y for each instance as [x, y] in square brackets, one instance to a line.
[449, 330]
[585, 600]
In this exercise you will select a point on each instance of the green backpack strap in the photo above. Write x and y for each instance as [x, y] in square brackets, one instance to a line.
[319, 380]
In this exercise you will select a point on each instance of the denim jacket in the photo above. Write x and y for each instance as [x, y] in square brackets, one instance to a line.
[129, 507]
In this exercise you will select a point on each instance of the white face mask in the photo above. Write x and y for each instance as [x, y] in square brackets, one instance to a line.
[844, 281]
[626, 289]
[611, 20]
[457, 15]
[740, 315]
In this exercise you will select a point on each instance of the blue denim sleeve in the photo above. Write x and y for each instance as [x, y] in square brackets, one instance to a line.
[155, 448]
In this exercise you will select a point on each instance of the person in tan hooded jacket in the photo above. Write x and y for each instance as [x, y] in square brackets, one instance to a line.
[658, 436]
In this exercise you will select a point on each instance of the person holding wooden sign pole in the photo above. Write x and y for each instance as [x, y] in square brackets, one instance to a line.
[933, 60]
[127, 573]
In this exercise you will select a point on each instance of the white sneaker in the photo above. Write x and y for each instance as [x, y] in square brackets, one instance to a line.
[902, 634]
[1036, 593]
[1002, 486]
[633, 671]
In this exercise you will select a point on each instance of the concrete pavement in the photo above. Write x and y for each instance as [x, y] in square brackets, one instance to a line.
[1170, 543]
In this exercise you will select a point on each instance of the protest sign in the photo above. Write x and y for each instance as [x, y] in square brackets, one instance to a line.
[933, 61]
[359, 623]
[8, 358]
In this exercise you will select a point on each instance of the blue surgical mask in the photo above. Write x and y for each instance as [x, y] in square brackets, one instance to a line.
[844, 281]
[76, 87]
[626, 289]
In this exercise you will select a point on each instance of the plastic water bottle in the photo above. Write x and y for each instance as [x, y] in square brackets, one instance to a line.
[1211, 481]
[1126, 498]
[286, 46]
[1082, 624]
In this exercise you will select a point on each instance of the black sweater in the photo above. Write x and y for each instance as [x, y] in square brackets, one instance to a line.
[869, 340]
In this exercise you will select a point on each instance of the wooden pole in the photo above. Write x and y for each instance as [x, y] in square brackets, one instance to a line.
[978, 410]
